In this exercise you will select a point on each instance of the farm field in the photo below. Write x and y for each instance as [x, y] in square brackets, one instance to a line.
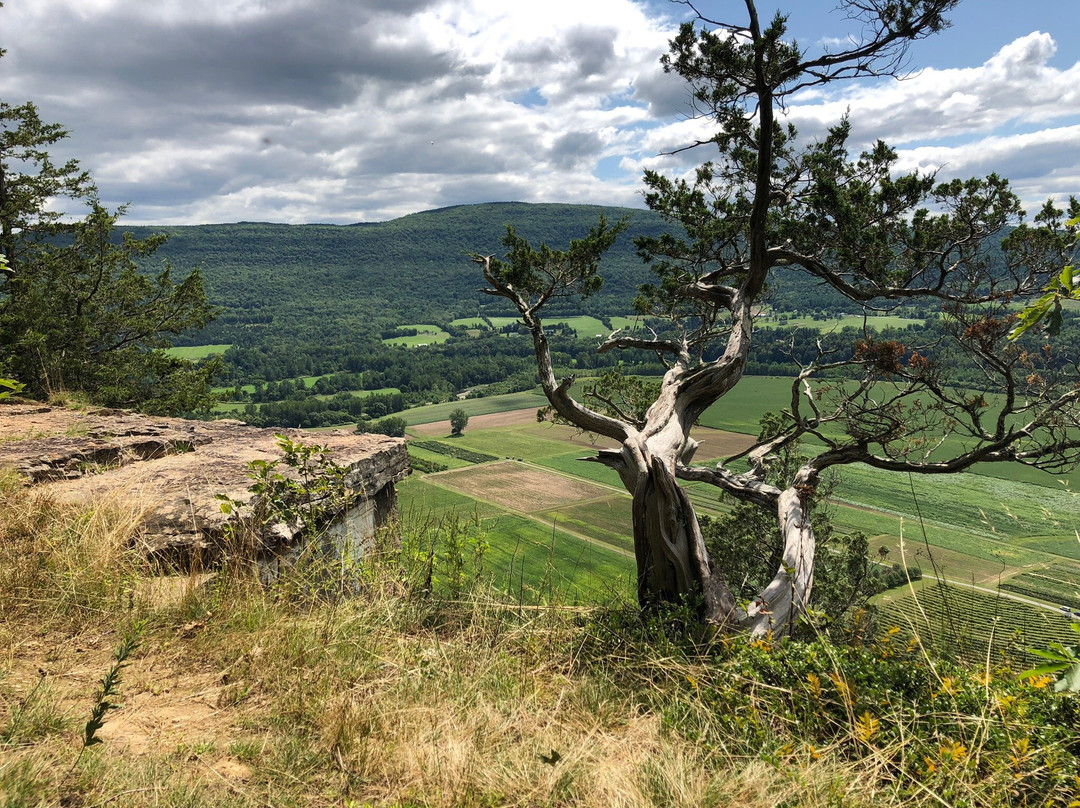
[971, 622]
[473, 406]
[426, 335]
[847, 321]
[740, 411]
[436, 457]
[519, 487]
[979, 530]
[1058, 581]
[484, 421]
[604, 519]
[196, 352]
[524, 554]
[584, 325]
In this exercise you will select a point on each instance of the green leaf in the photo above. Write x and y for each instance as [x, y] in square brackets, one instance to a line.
[1056, 657]
[1070, 680]
[1041, 669]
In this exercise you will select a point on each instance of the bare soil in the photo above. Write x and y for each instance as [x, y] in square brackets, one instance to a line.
[716, 443]
[491, 420]
[519, 487]
[167, 703]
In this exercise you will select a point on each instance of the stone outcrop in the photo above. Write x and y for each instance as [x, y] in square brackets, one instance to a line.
[181, 467]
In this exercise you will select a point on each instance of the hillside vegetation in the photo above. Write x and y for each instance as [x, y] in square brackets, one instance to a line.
[435, 689]
[340, 280]
[337, 281]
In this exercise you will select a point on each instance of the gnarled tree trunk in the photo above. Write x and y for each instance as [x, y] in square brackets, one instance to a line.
[673, 563]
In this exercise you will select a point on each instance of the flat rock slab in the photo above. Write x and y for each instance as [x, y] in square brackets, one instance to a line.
[177, 466]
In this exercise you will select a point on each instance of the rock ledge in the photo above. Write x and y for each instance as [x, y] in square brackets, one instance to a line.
[178, 467]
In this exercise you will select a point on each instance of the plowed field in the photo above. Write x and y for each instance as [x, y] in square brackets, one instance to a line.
[518, 487]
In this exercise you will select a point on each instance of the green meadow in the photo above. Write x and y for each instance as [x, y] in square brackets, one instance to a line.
[585, 326]
[382, 391]
[872, 323]
[426, 335]
[197, 352]
[473, 406]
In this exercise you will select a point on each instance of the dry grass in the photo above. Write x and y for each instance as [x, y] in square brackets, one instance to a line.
[67, 560]
[242, 696]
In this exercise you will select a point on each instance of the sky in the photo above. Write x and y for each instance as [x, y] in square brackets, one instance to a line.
[341, 111]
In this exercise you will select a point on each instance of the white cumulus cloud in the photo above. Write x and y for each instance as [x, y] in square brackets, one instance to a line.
[360, 110]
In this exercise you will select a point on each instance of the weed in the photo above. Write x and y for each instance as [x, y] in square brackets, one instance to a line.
[246, 750]
[110, 687]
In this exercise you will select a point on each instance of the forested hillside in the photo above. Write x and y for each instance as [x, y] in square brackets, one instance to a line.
[333, 282]
[340, 281]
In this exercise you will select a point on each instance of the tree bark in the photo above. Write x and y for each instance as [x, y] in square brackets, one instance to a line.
[672, 561]
[780, 603]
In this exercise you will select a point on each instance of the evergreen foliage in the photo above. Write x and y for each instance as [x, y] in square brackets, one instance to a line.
[77, 312]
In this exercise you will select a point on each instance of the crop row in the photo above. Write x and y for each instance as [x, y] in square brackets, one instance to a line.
[425, 466]
[1057, 585]
[454, 451]
[1041, 591]
[968, 622]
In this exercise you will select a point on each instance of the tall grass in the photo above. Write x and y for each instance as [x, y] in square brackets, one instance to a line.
[420, 684]
[63, 559]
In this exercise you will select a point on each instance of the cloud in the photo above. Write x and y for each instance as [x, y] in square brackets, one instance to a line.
[336, 110]
[1039, 165]
[1011, 115]
[360, 110]
[1016, 84]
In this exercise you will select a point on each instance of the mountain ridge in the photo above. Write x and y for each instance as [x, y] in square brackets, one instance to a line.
[330, 280]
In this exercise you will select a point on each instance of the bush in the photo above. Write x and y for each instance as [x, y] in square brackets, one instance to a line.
[425, 466]
[393, 425]
[454, 451]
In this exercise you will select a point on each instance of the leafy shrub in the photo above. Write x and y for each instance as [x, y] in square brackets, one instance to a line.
[393, 425]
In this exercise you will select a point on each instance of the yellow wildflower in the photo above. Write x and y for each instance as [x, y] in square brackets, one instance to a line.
[1040, 681]
[948, 687]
